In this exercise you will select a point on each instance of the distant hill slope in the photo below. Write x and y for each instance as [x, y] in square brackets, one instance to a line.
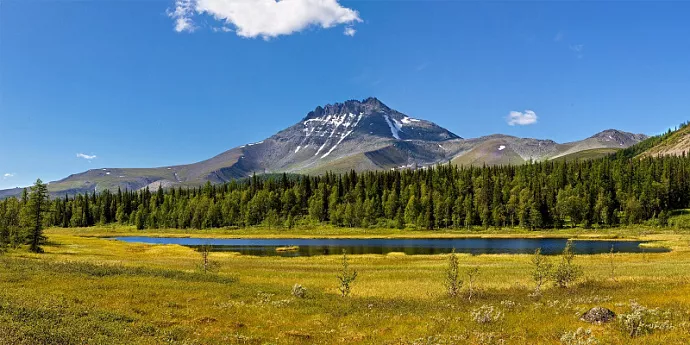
[672, 143]
[359, 135]
[588, 154]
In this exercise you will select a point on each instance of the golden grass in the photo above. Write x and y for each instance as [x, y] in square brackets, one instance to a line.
[396, 299]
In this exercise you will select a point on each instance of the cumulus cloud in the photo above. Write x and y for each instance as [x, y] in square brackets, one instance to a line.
[265, 18]
[7, 175]
[527, 117]
[85, 156]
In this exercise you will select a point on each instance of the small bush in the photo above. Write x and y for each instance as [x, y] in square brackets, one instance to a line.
[541, 271]
[486, 314]
[642, 320]
[579, 337]
[508, 304]
[488, 338]
[567, 272]
[207, 265]
[299, 291]
[472, 274]
[452, 280]
[346, 277]
[612, 264]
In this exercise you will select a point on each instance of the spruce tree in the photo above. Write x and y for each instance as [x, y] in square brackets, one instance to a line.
[33, 215]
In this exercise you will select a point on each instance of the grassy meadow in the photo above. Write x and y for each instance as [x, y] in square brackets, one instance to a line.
[87, 289]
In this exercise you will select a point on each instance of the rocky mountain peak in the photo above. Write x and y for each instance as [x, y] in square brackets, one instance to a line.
[365, 107]
[620, 137]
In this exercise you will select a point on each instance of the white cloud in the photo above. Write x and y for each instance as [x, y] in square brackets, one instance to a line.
[182, 13]
[349, 31]
[7, 175]
[265, 18]
[527, 117]
[85, 156]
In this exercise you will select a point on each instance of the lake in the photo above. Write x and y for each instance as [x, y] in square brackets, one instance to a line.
[412, 246]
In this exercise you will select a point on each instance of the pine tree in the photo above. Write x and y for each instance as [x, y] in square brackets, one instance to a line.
[33, 215]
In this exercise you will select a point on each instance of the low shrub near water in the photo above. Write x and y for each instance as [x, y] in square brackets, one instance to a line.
[346, 277]
[453, 282]
[567, 272]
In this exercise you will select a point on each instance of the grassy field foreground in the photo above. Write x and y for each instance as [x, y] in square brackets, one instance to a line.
[91, 290]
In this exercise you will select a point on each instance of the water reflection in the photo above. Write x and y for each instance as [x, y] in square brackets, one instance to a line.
[312, 247]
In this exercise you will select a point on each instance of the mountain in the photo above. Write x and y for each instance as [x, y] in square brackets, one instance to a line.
[359, 135]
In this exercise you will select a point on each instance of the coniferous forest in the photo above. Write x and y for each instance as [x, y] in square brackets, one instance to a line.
[597, 193]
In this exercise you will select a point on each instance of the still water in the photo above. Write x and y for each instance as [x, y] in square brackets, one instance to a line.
[321, 246]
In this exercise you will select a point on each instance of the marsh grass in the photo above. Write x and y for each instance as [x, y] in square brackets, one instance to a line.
[105, 270]
[87, 290]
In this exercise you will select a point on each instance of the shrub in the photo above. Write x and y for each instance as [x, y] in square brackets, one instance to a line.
[579, 337]
[453, 281]
[508, 304]
[299, 291]
[567, 272]
[612, 264]
[642, 320]
[486, 314]
[207, 265]
[472, 274]
[346, 277]
[541, 272]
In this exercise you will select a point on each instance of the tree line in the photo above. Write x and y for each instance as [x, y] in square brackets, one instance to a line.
[22, 222]
[597, 193]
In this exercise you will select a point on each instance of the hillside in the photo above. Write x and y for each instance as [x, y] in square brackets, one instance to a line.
[672, 143]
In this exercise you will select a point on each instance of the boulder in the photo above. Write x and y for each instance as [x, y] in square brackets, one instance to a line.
[598, 315]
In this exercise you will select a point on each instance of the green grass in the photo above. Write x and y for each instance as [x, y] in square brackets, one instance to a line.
[588, 154]
[91, 290]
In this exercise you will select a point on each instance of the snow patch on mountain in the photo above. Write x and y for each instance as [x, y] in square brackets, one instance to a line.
[336, 144]
[342, 135]
[394, 128]
[407, 120]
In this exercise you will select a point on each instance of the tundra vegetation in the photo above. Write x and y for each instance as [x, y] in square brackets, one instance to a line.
[86, 289]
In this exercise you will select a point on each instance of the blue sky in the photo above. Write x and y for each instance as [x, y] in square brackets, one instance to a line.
[116, 80]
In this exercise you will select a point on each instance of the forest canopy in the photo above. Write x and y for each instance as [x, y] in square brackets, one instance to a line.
[598, 193]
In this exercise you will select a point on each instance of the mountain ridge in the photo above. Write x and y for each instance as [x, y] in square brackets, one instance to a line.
[359, 135]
